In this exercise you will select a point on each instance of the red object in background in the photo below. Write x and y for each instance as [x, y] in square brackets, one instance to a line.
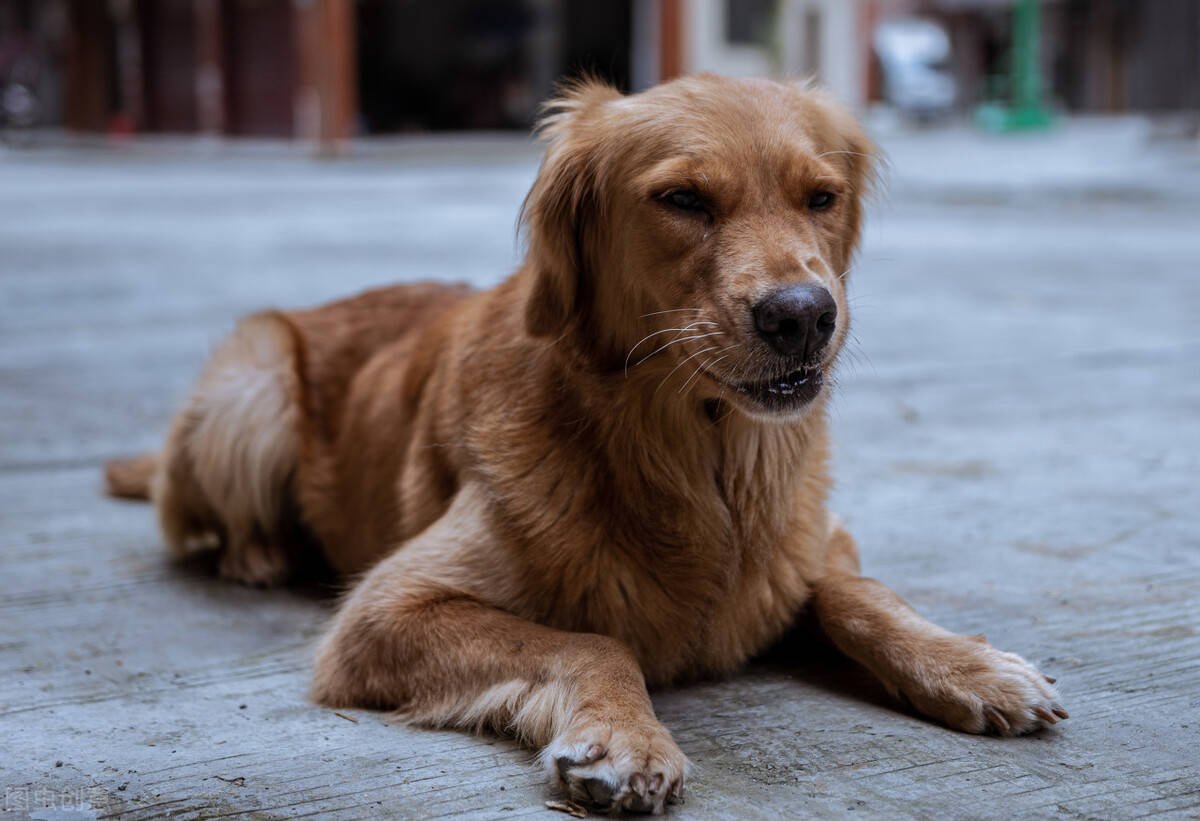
[120, 127]
[671, 40]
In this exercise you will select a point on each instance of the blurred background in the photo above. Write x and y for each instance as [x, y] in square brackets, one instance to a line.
[1017, 413]
[338, 68]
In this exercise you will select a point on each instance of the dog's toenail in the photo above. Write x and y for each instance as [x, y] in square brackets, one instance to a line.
[993, 715]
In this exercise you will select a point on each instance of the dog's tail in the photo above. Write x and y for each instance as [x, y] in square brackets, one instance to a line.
[130, 478]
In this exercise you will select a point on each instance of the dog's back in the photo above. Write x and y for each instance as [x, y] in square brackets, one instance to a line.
[263, 419]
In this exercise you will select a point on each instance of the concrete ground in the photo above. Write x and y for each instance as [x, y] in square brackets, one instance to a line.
[1018, 452]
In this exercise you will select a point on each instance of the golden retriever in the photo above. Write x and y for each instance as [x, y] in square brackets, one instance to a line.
[605, 474]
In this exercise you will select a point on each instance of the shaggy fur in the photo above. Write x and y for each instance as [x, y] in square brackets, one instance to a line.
[554, 493]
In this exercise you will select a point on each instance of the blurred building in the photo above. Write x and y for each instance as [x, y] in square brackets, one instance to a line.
[825, 39]
[1105, 56]
[240, 67]
[334, 68]
[338, 67]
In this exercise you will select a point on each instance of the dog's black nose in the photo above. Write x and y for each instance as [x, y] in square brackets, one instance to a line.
[797, 320]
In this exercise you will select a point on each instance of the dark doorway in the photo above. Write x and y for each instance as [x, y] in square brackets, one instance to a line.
[168, 64]
[260, 60]
[480, 64]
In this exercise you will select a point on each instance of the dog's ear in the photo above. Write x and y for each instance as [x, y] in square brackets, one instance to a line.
[564, 199]
[861, 158]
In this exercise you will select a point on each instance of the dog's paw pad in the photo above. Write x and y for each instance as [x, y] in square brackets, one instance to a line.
[634, 768]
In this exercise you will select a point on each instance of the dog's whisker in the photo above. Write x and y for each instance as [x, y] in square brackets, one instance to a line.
[692, 326]
[688, 381]
[721, 401]
[672, 311]
[703, 366]
[680, 365]
[675, 341]
[851, 153]
[727, 348]
[684, 329]
[860, 352]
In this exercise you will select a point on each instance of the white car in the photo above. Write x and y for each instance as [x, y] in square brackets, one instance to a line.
[912, 52]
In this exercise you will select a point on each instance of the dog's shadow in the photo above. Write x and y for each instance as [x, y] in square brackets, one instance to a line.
[806, 656]
[803, 654]
[311, 580]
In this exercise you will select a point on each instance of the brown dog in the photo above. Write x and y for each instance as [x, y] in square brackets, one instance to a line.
[609, 472]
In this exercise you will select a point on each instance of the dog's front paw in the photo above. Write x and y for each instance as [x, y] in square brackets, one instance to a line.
[618, 765]
[966, 683]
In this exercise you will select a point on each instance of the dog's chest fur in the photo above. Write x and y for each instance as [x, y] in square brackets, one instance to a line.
[689, 539]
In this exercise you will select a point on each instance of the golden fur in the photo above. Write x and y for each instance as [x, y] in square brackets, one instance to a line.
[552, 491]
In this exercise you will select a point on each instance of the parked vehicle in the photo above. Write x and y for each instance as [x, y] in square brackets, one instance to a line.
[913, 53]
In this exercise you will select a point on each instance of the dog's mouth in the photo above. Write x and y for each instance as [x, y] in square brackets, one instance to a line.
[787, 393]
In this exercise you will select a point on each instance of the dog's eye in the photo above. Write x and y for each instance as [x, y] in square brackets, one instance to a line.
[821, 201]
[684, 200]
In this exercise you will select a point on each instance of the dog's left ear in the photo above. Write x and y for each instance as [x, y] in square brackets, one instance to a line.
[564, 199]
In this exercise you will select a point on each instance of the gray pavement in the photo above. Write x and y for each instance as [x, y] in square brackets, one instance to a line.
[1018, 453]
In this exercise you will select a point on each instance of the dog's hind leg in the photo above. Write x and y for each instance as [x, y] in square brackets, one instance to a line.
[232, 453]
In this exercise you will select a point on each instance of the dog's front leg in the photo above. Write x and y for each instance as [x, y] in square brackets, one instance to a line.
[960, 680]
[418, 636]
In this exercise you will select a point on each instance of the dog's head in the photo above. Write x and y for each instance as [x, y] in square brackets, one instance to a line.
[702, 232]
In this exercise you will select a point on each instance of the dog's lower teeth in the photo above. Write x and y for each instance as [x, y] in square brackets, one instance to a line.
[780, 388]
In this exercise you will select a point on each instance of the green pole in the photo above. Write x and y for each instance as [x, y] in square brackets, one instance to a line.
[1025, 109]
[1026, 71]
[1028, 110]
